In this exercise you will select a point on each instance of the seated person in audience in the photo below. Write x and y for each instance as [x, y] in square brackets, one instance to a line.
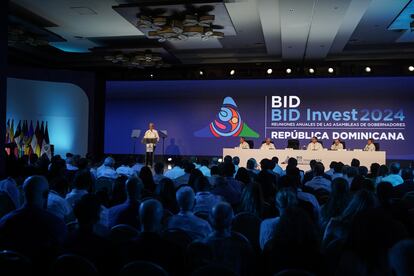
[204, 168]
[337, 145]
[251, 166]
[125, 170]
[401, 257]
[9, 188]
[185, 219]
[56, 202]
[183, 180]
[215, 173]
[284, 198]
[331, 170]
[310, 174]
[107, 169]
[176, 171]
[85, 241]
[204, 199]
[243, 144]
[226, 191]
[229, 249]
[394, 177]
[278, 169]
[149, 245]
[268, 145]
[138, 165]
[228, 173]
[337, 170]
[31, 230]
[158, 172]
[236, 163]
[81, 184]
[319, 181]
[127, 212]
[408, 184]
[314, 145]
[370, 145]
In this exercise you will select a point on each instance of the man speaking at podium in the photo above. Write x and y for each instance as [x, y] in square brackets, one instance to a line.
[151, 133]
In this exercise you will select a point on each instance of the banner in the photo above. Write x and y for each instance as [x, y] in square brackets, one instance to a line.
[204, 116]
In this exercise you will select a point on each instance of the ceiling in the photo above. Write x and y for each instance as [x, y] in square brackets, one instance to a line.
[82, 32]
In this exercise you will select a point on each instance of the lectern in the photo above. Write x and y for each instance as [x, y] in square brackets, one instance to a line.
[149, 149]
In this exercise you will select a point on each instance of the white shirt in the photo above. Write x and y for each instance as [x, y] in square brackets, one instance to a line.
[58, 206]
[265, 146]
[244, 145]
[151, 134]
[267, 229]
[315, 146]
[74, 196]
[205, 171]
[337, 147]
[174, 173]
[106, 171]
[370, 147]
[125, 170]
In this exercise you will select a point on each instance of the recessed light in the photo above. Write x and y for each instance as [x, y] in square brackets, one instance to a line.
[201, 72]
[411, 68]
[330, 70]
[151, 76]
[232, 72]
[288, 70]
[367, 69]
[311, 70]
[269, 71]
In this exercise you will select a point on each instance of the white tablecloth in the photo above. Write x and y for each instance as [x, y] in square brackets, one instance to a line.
[305, 156]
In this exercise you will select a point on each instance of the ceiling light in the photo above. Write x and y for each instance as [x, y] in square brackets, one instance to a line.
[288, 70]
[201, 72]
[311, 70]
[269, 71]
[220, 160]
[169, 159]
[151, 76]
[330, 70]
[367, 69]
[232, 72]
[411, 68]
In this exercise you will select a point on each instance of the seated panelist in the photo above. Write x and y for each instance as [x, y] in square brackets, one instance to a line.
[243, 144]
[337, 145]
[370, 145]
[314, 145]
[268, 145]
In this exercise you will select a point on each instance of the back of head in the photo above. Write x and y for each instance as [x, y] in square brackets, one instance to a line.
[385, 192]
[363, 171]
[251, 164]
[185, 198]
[275, 159]
[407, 174]
[383, 170]
[401, 258]
[83, 180]
[351, 171]
[374, 168]
[332, 165]
[205, 163]
[36, 191]
[286, 198]
[221, 216]
[159, 168]
[361, 201]
[134, 187]
[292, 162]
[243, 176]
[395, 168]
[312, 163]
[236, 160]
[265, 164]
[355, 163]
[109, 162]
[340, 187]
[227, 159]
[87, 210]
[338, 167]
[318, 169]
[202, 184]
[150, 215]
[215, 170]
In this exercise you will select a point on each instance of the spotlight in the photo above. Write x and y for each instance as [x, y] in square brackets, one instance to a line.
[311, 70]
[232, 72]
[411, 68]
[367, 69]
[330, 70]
[269, 71]
[220, 160]
[288, 71]
[169, 159]
[201, 73]
[151, 76]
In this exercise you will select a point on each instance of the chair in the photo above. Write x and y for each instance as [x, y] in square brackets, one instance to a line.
[177, 236]
[198, 254]
[142, 268]
[13, 263]
[122, 233]
[377, 146]
[203, 215]
[248, 225]
[251, 144]
[71, 264]
[293, 143]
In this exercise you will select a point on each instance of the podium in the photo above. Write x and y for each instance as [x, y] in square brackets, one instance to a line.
[149, 150]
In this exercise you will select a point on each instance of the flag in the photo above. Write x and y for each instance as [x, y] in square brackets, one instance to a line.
[32, 138]
[46, 137]
[11, 132]
[7, 132]
[37, 148]
[26, 138]
[17, 133]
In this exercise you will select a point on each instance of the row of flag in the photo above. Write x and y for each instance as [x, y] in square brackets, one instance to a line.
[28, 139]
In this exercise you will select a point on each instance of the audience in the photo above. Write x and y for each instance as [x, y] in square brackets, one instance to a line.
[364, 227]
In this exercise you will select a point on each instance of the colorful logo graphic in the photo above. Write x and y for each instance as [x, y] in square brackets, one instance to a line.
[228, 122]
